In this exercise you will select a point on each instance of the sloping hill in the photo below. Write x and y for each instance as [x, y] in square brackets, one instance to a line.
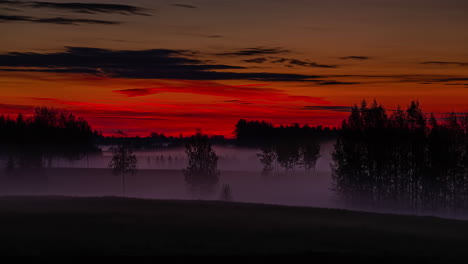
[118, 226]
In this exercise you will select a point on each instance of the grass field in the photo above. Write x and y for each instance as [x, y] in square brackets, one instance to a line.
[119, 226]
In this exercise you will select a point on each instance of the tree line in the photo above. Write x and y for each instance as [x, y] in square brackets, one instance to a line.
[403, 159]
[283, 147]
[399, 158]
[154, 141]
[261, 133]
[48, 132]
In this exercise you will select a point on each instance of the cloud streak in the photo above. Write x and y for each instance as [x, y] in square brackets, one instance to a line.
[184, 6]
[254, 51]
[288, 62]
[55, 20]
[335, 108]
[446, 63]
[355, 58]
[141, 64]
[87, 8]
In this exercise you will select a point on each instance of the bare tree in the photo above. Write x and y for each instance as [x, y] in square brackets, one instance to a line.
[267, 158]
[123, 162]
[202, 170]
[226, 193]
[310, 155]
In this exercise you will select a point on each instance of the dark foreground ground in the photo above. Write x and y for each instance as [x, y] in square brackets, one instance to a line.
[118, 226]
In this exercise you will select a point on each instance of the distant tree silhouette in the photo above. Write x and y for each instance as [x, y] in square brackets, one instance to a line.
[48, 133]
[226, 193]
[405, 160]
[202, 170]
[267, 158]
[123, 162]
[261, 133]
[288, 147]
[310, 153]
[10, 165]
[153, 141]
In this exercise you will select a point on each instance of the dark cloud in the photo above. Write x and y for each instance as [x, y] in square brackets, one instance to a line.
[6, 2]
[335, 108]
[55, 20]
[4, 18]
[184, 6]
[445, 63]
[136, 92]
[295, 62]
[215, 36]
[288, 62]
[147, 64]
[280, 60]
[73, 21]
[237, 101]
[433, 79]
[255, 51]
[256, 60]
[15, 109]
[10, 9]
[416, 78]
[355, 58]
[88, 8]
[336, 83]
[309, 64]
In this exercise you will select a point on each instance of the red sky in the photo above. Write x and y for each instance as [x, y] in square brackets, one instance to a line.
[157, 67]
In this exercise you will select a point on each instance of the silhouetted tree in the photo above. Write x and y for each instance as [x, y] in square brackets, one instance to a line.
[310, 153]
[226, 193]
[261, 133]
[267, 158]
[123, 162]
[10, 165]
[405, 160]
[48, 133]
[202, 166]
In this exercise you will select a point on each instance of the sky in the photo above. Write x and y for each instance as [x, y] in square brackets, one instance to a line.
[173, 67]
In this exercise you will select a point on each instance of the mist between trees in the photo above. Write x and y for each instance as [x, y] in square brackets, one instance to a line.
[402, 159]
[284, 148]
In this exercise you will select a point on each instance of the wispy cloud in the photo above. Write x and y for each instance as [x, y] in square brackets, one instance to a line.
[256, 60]
[445, 63]
[355, 58]
[336, 108]
[337, 83]
[55, 20]
[88, 8]
[184, 6]
[215, 36]
[254, 51]
[289, 62]
[142, 64]
[309, 64]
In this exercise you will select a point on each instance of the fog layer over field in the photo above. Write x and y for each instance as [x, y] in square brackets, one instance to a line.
[160, 176]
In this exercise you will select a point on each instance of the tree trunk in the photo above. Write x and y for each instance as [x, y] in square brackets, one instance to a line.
[123, 184]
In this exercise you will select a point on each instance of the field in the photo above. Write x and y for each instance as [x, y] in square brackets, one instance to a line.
[169, 184]
[123, 226]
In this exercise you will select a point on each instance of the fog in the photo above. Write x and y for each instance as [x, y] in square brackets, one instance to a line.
[160, 176]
